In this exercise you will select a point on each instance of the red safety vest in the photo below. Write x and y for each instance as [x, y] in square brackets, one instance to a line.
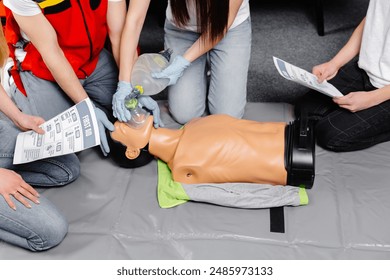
[81, 28]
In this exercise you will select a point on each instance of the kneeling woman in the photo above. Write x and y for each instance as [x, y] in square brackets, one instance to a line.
[27, 219]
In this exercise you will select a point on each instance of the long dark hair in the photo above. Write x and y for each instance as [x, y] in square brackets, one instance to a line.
[212, 16]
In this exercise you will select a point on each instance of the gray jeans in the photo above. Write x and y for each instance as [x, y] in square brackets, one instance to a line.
[46, 99]
[228, 64]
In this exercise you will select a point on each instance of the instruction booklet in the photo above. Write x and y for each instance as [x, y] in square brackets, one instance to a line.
[303, 77]
[73, 130]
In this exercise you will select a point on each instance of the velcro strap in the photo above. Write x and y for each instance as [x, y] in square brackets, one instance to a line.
[277, 219]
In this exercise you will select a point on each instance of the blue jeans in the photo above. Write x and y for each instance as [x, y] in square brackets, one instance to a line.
[43, 226]
[38, 228]
[228, 63]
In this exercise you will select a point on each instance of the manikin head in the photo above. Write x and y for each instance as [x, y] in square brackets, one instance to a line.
[129, 145]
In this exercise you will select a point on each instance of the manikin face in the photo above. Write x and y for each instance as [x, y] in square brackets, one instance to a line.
[133, 138]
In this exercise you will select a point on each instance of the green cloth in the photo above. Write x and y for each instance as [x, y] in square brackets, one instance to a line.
[303, 197]
[169, 192]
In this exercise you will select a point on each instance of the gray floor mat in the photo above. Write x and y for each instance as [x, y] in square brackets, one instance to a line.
[113, 213]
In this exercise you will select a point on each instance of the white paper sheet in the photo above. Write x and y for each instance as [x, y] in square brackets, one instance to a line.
[303, 77]
[73, 130]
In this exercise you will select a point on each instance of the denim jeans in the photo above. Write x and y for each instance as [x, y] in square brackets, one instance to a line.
[100, 87]
[38, 228]
[43, 226]
[228, 63]
[338, 129]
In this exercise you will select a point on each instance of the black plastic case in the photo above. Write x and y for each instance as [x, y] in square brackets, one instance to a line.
[300, 153]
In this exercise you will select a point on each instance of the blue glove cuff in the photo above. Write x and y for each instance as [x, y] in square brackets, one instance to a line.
[122, 85]
[184, 63]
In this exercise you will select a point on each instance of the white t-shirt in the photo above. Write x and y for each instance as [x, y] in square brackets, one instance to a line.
[28, 7]
[242, 14]
[374, 55]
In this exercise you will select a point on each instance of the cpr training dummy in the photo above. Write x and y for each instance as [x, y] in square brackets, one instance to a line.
[216, 159]
[226, 161]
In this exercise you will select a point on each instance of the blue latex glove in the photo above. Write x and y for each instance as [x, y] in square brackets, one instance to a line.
[103, 123]
[150, 104]
[173, 71]
[118, 101]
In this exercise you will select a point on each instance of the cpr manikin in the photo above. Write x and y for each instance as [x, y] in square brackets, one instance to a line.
[219, 149]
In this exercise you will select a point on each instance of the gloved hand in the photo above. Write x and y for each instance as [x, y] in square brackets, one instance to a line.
[150, 104]
[118, 101]
[173, 71]
[103, 123]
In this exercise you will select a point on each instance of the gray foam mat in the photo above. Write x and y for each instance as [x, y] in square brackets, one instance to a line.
[113, 213]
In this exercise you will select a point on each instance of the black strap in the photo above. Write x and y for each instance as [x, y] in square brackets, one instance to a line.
[277, 219]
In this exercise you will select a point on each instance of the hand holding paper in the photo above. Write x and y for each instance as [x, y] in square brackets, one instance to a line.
[71, 131]
[303, 77]
[325, 71]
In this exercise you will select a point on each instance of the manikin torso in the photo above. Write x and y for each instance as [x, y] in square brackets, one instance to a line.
[214, 149]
